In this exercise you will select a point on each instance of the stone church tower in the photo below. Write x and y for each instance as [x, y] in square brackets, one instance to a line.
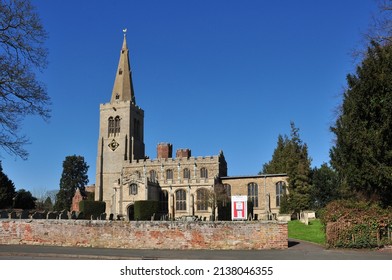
[121, 130]
[184, 185]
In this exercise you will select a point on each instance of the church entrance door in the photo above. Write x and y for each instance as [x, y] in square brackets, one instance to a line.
[131, 212]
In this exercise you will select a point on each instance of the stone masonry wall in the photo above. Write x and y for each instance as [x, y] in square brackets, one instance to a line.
[146, 235]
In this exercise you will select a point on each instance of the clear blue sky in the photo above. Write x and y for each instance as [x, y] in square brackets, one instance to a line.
[210, 76]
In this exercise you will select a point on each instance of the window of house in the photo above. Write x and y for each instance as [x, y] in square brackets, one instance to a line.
[187, 173]
[280, 190]
[203, 172]
[181, 200]
[169, 174]
[133, 189]
[253, 194]
[202, 200]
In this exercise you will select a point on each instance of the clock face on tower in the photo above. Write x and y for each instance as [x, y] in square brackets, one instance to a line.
[113, 145]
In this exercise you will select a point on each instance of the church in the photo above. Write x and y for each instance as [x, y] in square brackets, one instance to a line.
[185, 185]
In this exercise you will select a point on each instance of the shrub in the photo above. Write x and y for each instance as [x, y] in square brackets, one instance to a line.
[224, 212]
[92, 208]
[357, 224]
[145, 209]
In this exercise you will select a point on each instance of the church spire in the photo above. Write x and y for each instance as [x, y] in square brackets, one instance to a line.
[123, 87]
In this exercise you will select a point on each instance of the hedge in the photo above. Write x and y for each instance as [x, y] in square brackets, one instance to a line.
[145, 209]
[92, 208]
[353, 224]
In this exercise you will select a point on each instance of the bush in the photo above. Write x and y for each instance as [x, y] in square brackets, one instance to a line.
[357, 224]
[145, 209]
[224, 212]
[91, 208]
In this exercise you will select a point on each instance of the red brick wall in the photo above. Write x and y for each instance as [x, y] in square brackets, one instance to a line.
[146, 235]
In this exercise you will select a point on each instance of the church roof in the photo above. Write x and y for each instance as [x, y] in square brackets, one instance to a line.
[123, 86]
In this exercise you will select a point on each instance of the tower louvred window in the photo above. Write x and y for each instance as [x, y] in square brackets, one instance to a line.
[111, 126]
[117, 125]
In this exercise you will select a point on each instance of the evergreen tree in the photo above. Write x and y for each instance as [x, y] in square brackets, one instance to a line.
[74, 177]
[24, 200]
[7, 190]
[325, 186]
[278, 163]
[362, 154]
[291, 157]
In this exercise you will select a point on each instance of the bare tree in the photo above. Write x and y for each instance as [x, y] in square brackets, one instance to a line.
[22, 52]
[381, 26]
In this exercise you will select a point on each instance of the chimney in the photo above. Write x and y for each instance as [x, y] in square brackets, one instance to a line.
[164, 150]
[183, 153]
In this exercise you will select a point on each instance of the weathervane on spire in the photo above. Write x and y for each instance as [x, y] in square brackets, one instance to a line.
[125, 31]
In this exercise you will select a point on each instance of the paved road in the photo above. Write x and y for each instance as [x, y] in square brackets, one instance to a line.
[298, 250]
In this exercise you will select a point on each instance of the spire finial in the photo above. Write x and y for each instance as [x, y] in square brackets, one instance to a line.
[125, 31]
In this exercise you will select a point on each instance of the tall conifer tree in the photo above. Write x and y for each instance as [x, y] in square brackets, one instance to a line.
[291, 157]
[362, 154]
[74, 177]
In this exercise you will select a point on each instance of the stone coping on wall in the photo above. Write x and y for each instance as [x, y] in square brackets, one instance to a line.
[240, 235]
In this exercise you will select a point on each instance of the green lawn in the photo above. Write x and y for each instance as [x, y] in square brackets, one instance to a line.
[313, 232]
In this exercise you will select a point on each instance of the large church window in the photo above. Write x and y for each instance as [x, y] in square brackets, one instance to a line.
[181, 200]
[280, 190]
[202, 199]
[253, 194]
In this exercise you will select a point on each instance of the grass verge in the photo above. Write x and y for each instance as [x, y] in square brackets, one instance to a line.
[313, 232]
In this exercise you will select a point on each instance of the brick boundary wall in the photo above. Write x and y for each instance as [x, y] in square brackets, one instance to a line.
[253, 235]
